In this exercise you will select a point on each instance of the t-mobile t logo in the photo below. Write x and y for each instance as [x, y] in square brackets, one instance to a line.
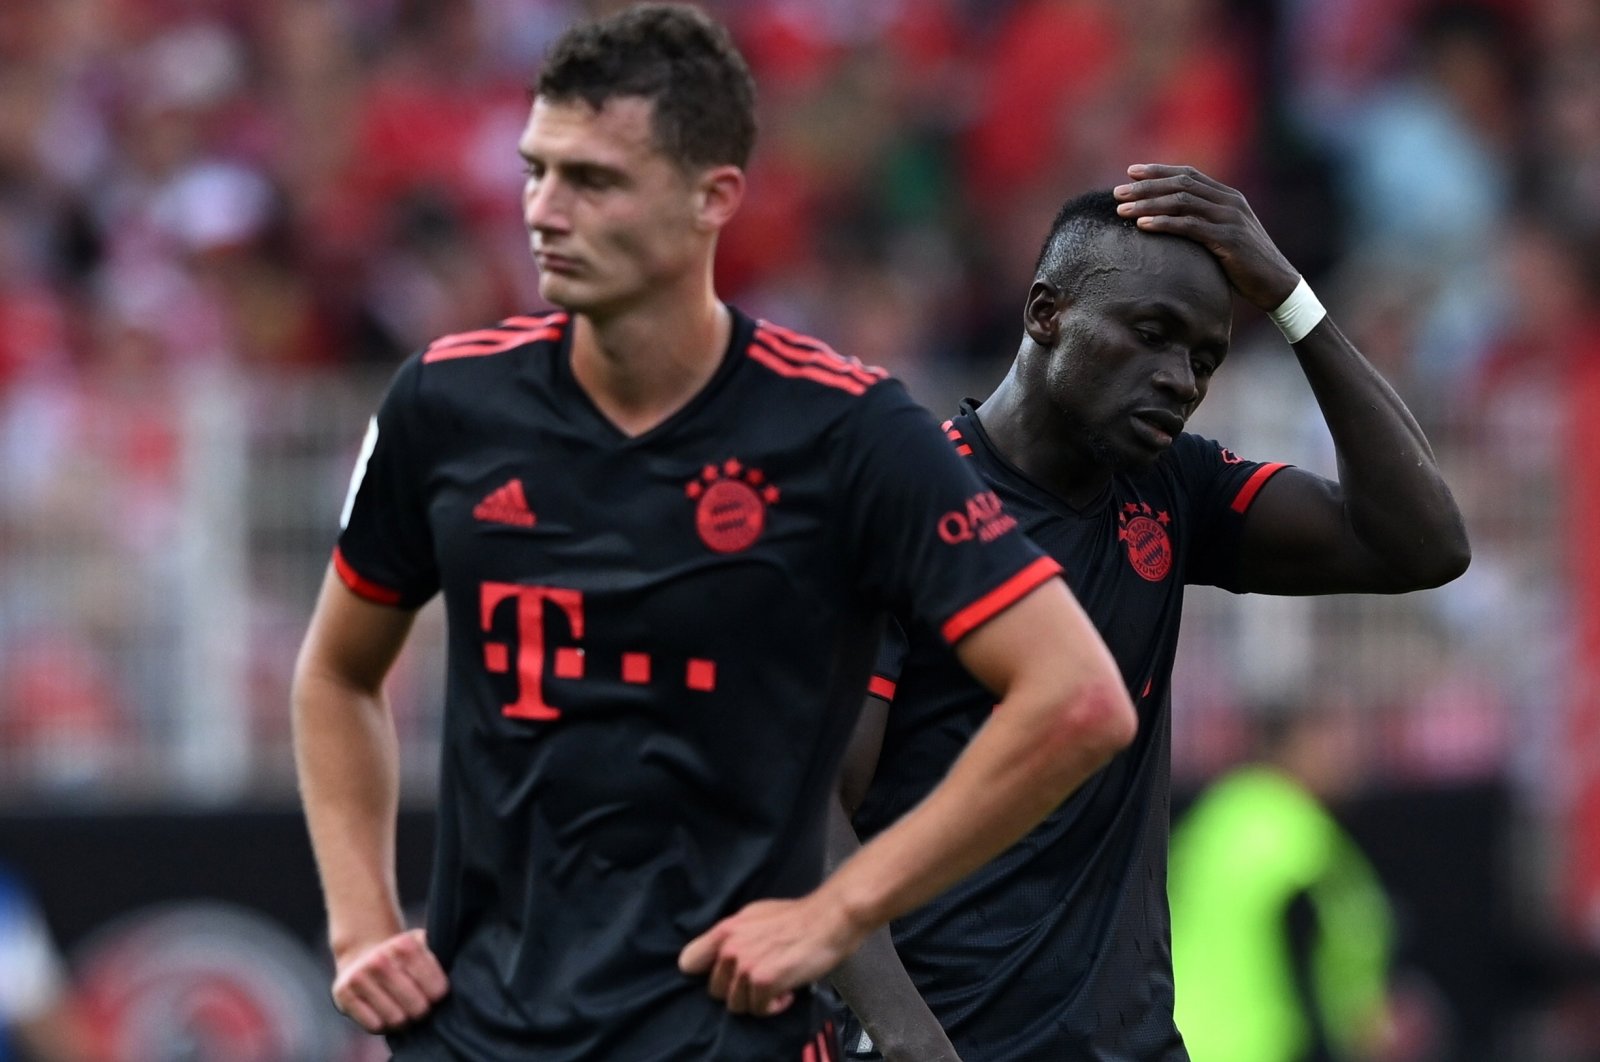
[566, 661]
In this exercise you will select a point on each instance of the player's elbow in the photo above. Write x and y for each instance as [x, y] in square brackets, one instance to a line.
[1090, 723]
[1098, 720]
[1443, 552]
[1445, 570]
[1445, 560]
[1454, 559]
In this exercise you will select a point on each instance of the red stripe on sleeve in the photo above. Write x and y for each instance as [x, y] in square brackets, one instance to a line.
[1253, 485]
[999, 599]
[882, 688]
[362, 587]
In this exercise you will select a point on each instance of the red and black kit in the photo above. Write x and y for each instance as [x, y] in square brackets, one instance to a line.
[1061, 947]
[658, 645]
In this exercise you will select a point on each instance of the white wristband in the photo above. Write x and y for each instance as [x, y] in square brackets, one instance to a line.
[1297, 315]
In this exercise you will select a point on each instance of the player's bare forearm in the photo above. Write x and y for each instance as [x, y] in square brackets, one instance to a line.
[1394, 493]
[873, 980]
[1062, 713]
[875, 985]
[1390, 524]
[346, 757]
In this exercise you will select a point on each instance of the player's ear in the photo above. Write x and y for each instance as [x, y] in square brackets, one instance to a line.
[1041, 314]
[718, 193]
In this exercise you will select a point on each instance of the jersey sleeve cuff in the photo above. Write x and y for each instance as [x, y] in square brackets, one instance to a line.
[1253, 485]
[361, 586]
[999, 599]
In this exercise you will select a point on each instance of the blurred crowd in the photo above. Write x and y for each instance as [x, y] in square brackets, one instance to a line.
[332, 182]
[229, 198]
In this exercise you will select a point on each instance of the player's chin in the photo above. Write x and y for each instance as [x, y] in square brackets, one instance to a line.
[560, 291]
[581, 298]
[572, 290]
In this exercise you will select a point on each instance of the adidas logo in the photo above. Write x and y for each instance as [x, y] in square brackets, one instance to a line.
[506, 505]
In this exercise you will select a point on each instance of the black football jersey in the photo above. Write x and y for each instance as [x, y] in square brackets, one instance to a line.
[657, 647]
[1061, 948]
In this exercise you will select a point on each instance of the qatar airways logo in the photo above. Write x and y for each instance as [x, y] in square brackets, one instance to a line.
[984, 519]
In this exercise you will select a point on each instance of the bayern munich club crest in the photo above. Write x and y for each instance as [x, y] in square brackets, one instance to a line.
[731, 505]
[1144, 531]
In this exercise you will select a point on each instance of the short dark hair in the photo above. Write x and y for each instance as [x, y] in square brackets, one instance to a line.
[1069, 256]
[676, 57]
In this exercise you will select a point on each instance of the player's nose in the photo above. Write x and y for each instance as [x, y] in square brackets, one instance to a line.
[544, 205]
[1176, 377]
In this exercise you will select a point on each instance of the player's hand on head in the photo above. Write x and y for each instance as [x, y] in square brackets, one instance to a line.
[390, 984]
[755, 959]
[1182, 201]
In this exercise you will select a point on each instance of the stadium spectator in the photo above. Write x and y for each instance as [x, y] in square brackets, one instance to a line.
[1282, 935]
[1451, 122]
[1565, 150]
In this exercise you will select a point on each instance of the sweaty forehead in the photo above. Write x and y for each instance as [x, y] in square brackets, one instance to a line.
[1136, 266]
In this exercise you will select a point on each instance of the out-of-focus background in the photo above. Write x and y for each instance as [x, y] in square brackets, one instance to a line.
[224, 223]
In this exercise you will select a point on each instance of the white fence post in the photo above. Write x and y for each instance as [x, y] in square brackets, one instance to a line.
[211, 754]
